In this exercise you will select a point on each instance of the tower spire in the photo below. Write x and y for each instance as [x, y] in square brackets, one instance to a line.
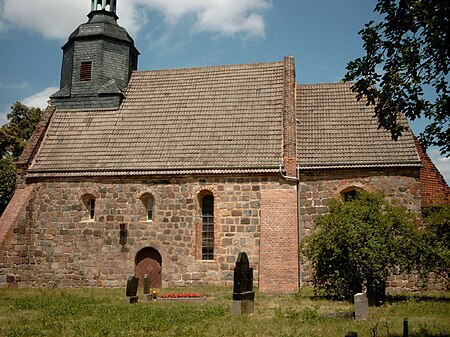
[104, 5]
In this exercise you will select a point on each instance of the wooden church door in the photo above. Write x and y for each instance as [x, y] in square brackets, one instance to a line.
[149, 261]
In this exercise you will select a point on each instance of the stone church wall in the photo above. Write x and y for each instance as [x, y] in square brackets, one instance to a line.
[60, 246]
[318, 187]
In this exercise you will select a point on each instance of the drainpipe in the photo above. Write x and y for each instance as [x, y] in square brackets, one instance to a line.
[300, 262]
[299, 226]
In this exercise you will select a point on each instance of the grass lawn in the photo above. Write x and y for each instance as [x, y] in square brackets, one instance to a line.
[103, 312]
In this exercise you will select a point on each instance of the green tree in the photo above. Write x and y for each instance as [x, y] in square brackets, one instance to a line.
[435, 247]
[406, 55]
[13, 138]
[7, 181]
[358, 244]
[15, 134]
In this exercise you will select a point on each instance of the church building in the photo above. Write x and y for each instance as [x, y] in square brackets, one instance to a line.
[173, 173]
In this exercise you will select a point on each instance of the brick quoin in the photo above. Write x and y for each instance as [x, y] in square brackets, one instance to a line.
[279, 242]
[435, 190]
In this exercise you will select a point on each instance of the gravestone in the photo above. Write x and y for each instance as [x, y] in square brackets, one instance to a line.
[147, 295]
[361, 306]
[243, 294]
[132, 288]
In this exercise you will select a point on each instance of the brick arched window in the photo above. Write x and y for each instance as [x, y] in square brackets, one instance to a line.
[89, 202]
[207, 209]
[148, 200]
[350, 193]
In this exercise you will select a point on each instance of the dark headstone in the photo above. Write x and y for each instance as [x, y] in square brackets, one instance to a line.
[146, 296]
[243, 294]
[132, 288]
[351, 334]
[243, 279]
[146, 284]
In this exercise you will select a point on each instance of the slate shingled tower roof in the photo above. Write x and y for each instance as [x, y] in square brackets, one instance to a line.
[98, 60]
[337, 131]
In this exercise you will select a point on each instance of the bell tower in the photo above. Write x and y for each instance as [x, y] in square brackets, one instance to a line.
[103, 5]
[98, 60]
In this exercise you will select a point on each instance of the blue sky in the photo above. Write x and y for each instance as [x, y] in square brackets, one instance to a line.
[322, 35]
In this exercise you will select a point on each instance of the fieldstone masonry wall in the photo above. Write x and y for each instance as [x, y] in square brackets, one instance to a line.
[60, 245]
[319, 186]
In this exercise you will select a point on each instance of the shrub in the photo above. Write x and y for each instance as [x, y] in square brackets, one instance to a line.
[435, 246]
[358, 244]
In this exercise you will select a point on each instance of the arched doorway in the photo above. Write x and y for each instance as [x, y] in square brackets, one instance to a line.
[149, 261]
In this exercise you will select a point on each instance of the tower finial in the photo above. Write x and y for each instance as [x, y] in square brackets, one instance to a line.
[105, 5]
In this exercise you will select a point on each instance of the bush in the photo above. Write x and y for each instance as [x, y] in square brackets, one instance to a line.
[7, 181]
[358, 244]
[435, 247]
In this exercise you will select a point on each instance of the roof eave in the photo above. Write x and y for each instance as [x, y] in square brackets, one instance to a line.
[357, 165]
[166, 172]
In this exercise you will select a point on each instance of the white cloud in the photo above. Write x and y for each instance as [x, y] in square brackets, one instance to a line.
[40, 99]
[442, 163]
[220, 16]
[57, 19]
[3, 119]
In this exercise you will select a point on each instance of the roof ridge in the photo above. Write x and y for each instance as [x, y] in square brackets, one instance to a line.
[344, 84]
[214, 67]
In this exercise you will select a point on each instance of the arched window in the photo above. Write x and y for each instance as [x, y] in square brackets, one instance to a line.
[148, 200]
[350, 193]
[89, 202]
[207, 205]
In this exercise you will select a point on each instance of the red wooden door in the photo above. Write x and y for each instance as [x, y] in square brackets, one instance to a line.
[148, 261]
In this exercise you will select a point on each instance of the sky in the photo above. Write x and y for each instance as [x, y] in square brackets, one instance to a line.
[322, 35]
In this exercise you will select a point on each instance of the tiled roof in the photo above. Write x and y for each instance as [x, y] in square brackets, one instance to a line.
[226, 117]
[335, 130]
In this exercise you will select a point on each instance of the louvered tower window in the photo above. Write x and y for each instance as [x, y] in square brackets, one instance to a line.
[86, 71]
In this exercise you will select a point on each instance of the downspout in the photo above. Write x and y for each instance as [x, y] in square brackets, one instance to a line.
[299, 226]
[300, 258]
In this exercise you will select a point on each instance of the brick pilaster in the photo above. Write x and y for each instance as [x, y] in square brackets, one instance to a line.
[289, 118]
[279, 242]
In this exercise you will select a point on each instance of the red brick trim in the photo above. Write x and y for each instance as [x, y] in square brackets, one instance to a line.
[13, 216]
[435, 190]
[289, 118]
[279, 242]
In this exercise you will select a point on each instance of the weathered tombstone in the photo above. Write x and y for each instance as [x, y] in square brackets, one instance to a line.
[132, 288]
[361, 306]
[243, 294]
[405, 328]
[147, 294]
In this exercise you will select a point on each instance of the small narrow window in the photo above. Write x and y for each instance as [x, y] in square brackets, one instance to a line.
[89, 203]
[148, 202]
[150, 209]
[208, 227]
[86, 71]
[91, 208]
